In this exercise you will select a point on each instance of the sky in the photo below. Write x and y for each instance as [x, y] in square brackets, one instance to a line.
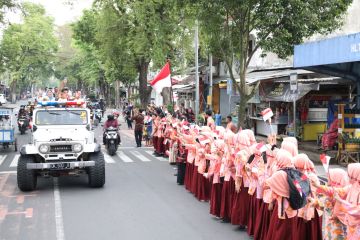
[59, 10]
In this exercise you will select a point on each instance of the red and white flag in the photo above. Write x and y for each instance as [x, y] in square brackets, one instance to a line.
[325, 160]
[261, 147]
[162, 79]
[267, 114]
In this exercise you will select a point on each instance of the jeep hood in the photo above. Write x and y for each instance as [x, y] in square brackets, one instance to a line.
[44, 134]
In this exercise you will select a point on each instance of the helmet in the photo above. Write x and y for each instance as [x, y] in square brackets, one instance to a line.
[110, 117]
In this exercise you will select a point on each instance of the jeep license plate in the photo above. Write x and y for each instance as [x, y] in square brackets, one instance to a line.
[56, 166]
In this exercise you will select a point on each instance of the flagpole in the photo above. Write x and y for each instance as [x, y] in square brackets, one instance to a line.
[197, 69]
[171, 88]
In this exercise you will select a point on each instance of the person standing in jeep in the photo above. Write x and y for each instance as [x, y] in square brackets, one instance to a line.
[139, 126]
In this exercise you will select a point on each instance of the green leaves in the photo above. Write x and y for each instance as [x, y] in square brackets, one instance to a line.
[27, 50]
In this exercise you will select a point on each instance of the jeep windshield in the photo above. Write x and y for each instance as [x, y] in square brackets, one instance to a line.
[61, 117]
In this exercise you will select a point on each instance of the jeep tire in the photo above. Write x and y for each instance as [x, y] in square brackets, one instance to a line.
[26, 178]
[97, 173]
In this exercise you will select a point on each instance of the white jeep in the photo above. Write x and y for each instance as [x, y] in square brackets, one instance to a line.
[62, 143]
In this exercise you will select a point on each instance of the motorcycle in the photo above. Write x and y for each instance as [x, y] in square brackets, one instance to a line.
[23, 124]
[98, 116]
[112, 140]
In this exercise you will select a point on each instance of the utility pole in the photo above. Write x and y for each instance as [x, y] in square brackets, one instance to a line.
[210, 80]
[197, 98]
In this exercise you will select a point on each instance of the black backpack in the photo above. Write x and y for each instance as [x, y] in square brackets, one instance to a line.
[298, 182]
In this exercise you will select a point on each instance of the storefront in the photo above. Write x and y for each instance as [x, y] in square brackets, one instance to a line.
[311, 104]
[339, 56]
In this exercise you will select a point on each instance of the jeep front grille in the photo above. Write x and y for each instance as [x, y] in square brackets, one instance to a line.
[60, 148]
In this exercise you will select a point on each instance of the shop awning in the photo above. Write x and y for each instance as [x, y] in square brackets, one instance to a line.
[339, 56]
[271, 91]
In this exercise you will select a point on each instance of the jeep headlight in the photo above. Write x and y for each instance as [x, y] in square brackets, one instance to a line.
[77, 147]
[44, 148]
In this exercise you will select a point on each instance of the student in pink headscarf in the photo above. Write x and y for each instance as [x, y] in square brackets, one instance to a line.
[308, 221]
[241, 199]
[348, 211]
[282, 218]
[262, 220]
[215, 157]
[203, 183]
[226, 171]
[334, 228]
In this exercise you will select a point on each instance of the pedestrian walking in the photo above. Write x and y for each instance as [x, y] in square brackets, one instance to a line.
[139, 126]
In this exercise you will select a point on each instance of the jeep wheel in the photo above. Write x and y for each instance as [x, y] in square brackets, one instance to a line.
[97, 172]
[26, 179]
[112, 149]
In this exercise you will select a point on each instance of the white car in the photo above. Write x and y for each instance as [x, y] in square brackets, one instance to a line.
[2, 99]
[62, 144]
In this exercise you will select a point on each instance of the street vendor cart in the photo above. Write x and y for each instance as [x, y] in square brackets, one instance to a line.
[7, 128]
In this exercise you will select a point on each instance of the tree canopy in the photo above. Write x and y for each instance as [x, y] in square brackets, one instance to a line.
[27, 49]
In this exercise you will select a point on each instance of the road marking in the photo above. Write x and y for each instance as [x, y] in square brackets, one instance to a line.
[140, 156]
[161, 159]
[15, 161]
[123, 157]
[8, 172]
[59, 222]
[2, 158]
[108, 158]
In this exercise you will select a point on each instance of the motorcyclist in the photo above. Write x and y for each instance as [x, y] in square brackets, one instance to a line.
[111, 122]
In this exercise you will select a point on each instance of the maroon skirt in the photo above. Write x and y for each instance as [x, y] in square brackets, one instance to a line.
[161, 145]
[155, 143]
[203, 188]
[188, 175]
[281, 228]
[254, 209]
[215, 199]
[194, 181]
[311, 230]
[262, 222]
[227, 193]
[240, 207]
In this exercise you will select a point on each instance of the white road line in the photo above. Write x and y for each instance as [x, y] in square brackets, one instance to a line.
[15, 161]
[108, 158]
[123, 157]
[8, 172]
[2, 158]
[59, 222]
[161, 159]
[140, 156]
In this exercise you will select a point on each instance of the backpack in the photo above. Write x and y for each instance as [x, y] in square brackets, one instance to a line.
[299, 188]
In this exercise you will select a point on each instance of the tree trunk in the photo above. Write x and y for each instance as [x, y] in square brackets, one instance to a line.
[13, 91]
[166, 94]
[144, 90]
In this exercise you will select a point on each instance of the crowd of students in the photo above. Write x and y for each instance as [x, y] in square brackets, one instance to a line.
[248, 184]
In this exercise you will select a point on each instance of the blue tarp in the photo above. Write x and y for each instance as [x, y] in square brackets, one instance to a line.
[329, 51]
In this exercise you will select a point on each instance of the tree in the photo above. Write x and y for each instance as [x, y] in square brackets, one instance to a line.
[146, 32]
[277, 25]
[27, 49]
[4, 6]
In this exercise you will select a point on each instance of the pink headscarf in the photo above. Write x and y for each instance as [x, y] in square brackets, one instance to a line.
[278, 183]
[338, 177]
[291, 139]
[353, 195]
[303, 163]
[290, 147]
[284, 159]
[251, 135]
[242, 141]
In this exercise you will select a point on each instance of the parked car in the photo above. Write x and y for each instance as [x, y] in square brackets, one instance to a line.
[3, 99]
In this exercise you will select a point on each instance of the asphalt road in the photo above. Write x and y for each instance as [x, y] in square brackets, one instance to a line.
[140, 200]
